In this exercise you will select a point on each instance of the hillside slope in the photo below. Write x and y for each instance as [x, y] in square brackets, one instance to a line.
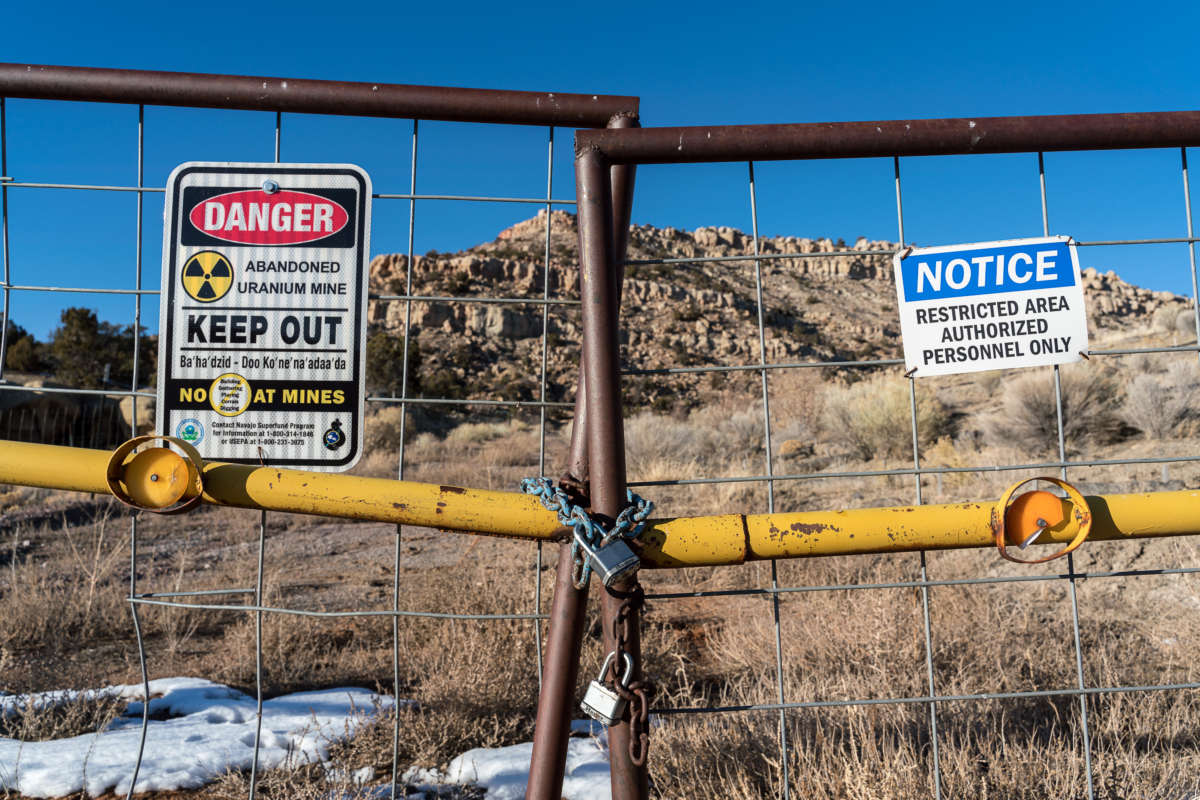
[817, 306]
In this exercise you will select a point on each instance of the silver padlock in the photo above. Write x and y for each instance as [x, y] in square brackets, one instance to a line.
[603, 704]
[611, 561]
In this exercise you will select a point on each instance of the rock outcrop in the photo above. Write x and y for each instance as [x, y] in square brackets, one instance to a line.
[827, 301]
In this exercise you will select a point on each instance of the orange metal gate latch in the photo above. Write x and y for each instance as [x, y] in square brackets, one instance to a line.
[1020, 521]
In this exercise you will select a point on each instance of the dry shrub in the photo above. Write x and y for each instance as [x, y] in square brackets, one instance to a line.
[797, 406]
[724, 440]
[377, 464]
[1029, 413]
[476, 433]
[653, 439]
[989, 381]
[82, 599]
[1139, 363]
[950, 453]
[1164, 318]
[456, 457]
[516, 445]
[1185, 324]
[873, 418]
[382, 430]
[59, 716]
[708, 438]
[1160, 406]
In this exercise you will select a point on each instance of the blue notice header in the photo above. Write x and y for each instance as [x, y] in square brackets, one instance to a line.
[987, 269]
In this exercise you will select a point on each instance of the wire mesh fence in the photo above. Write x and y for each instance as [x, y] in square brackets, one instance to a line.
[424, 384]
[906, 675]
[943, 674]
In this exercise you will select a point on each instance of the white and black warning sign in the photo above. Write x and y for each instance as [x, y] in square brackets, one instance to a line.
[262, 343]
[991, 305]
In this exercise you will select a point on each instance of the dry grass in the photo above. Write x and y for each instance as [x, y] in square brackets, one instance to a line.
[471, 680]
[849, 645]
[873, 417]
[1090, 401]
[1162, 406]
[79, 600]
[474, 683]
[43, 719]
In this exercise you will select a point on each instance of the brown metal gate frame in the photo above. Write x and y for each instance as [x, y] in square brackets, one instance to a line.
[597, 444]
[600, 152]
[605, 163]
[597, 461]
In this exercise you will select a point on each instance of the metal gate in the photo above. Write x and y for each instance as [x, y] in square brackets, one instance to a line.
[542, 397]
[896, 708]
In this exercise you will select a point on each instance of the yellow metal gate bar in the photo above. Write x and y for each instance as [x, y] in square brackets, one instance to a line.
[681, 542]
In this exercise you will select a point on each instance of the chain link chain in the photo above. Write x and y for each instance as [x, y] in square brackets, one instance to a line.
[565, 500]
[638, 692]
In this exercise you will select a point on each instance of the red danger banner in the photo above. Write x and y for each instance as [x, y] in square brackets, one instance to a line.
[255, 217]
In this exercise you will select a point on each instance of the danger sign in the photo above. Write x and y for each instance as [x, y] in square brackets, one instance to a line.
[993, 305]
[262, 349]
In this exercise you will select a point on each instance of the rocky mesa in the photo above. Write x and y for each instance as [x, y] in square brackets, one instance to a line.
[822, 300]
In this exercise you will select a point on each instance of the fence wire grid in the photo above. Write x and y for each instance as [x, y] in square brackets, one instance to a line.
[927, 669]
[789, 609]
[46, 421]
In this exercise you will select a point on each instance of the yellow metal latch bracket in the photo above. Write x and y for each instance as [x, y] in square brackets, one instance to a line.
[156, 478]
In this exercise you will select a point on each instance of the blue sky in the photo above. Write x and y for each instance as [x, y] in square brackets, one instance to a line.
[699, 63]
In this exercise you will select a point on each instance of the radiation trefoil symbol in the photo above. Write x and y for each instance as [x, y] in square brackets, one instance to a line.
[207, 276]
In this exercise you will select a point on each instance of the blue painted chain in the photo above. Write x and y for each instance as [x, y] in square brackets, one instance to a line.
[630, 522]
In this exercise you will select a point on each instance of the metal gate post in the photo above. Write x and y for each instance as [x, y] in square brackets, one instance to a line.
[605, 435]
[565, 636]
[621, 177]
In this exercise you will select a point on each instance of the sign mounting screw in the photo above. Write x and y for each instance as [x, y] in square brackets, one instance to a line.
[270, 187]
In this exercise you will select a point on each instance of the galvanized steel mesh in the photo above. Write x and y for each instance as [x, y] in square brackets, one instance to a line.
[408, 107]
[785, 600]
[784, 597]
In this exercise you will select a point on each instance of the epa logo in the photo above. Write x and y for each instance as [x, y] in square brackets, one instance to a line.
[190, 431]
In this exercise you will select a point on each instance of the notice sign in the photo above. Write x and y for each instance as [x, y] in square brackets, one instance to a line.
[994, 305]
[262, 345]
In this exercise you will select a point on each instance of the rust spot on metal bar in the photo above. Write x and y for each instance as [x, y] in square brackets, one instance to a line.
[452, 489]
[806, 528]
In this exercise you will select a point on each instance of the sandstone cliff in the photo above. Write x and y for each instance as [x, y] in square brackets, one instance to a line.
[816, 307]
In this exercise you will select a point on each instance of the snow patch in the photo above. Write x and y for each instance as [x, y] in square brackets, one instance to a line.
[504, 771]
[200, 730]
[209, 730]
